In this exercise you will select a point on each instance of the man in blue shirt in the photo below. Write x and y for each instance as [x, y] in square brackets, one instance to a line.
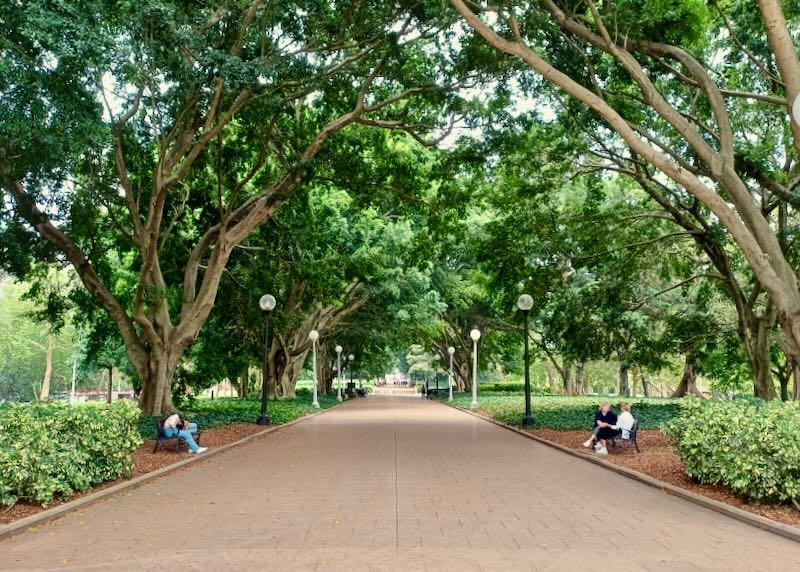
[604, 421]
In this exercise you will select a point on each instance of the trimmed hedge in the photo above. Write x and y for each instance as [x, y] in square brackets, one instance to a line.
[511, 387]
[208, 413]
[569, 413]
[750, 446]
[52, 449]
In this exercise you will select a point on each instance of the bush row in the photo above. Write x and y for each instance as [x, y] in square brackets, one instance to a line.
[569, 413]
[752, 447]
[54, 449]
[512, 387]
[208, 413]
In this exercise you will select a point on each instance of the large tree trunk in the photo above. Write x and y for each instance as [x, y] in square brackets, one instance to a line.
[688, 384]
[580, 378]
[156, 395]
[624, 384]
[757, 351]
[110, 393]
[551, 376]
[287, 388]
[44, 392]
[796, 376]
[244, 378]
[327, 368]
[566, 375]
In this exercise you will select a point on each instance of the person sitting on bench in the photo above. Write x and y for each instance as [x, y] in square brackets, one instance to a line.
[177, 425]
[604, 420]
[624, 421]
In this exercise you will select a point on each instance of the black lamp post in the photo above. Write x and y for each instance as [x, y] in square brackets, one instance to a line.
[525, 303]
[350, 359]
[267, 303]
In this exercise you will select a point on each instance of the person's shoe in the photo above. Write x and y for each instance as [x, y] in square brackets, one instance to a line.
[601, 451]
[597, 446]
[588, 444]
[201, 450]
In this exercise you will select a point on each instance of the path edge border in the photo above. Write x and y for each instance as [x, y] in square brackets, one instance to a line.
[744, 516]
[40, 518]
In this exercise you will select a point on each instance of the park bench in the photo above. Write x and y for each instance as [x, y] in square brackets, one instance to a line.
[161, 438]
[631, 438]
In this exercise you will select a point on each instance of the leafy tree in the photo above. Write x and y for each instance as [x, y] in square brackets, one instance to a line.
[663, 91]
[152, 138]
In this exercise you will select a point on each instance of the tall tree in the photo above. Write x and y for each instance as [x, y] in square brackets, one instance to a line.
[661, 88]
[160, 134]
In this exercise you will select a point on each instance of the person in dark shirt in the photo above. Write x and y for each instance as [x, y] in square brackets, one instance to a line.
[604, 421]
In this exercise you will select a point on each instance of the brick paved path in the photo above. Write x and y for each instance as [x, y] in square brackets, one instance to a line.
[396, 483]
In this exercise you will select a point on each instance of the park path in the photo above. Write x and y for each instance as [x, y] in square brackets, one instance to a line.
[396, 483]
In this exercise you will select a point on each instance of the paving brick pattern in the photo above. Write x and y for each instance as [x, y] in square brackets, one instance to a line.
[396, 483]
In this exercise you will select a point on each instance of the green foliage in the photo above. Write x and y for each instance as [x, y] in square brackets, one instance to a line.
[568, 413]
[673, 21]
[748, 445]
[512, 387]
[49, 450]
[208, 413]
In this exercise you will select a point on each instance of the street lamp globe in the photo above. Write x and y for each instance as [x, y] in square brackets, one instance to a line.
[339, 349]
[313, 335]
[475, 334]
[451, 350]
[267, 302]
[351, 357]
[525, 302]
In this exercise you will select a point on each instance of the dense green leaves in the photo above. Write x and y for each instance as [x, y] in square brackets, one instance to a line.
[208, 413]
[49, 450]
[749, 446]
[568, 413]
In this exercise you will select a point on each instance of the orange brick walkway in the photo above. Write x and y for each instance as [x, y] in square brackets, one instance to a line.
[396, 483]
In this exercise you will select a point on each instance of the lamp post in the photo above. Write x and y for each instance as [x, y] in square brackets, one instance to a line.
[267, 304]
[350, 359]
[436, 373]
[451, 350]
[313, 335]
[339, 372]
[475, 334]
[525, 303]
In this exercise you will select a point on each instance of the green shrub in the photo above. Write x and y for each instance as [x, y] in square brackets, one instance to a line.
[568, 413]
[512, 387]
[750, 446]
[54, 449]
[208, 413]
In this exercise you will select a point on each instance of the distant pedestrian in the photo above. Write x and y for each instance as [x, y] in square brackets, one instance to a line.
[175, 425]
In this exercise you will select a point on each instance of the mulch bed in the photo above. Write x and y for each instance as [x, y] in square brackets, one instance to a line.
[145, 461]
[658, 460]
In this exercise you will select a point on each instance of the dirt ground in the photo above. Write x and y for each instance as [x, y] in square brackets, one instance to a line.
[658, 460]
[145, 461]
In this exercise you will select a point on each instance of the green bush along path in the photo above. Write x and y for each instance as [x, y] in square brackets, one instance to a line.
[566, 413]
[55, 449]
[208, 413]
[749, 445]
[50, 450]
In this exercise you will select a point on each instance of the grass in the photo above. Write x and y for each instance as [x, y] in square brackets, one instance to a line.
[566, 413]
[208, 413]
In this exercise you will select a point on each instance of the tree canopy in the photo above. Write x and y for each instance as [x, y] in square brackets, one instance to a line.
[398, 173]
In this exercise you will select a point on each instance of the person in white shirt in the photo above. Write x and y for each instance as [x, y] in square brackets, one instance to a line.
[176, 425]
[609, 425]
[624, 421]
